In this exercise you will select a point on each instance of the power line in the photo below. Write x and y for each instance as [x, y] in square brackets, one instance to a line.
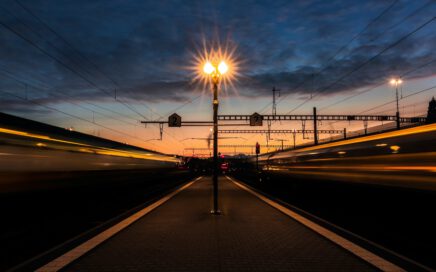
[363, 30]
[325, 66]
[45, 52]
[40, 36]
[404, 107]
[114, 82]
[65, 41]
[11, 76]
[401, 21]
[77, 104]
[78, 53]
[376, 86]
[72, 115]
[181, 106]
[404, 97]
[366, 62]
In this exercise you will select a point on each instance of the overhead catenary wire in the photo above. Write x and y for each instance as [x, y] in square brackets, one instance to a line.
[326, 65]
[402, 20]
[404, 97]
[71, 102]
[366, 62]
[45, 52]
[392, 101]
[77, 104]
[77, 52]
[73, 116]
[66, 66]
[93, 64]
[377, 85]
[403, 107]
[57, 91]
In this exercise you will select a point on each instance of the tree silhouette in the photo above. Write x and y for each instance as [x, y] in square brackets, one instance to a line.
[431, 114]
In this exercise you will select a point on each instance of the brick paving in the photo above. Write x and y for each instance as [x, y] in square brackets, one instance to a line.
[250, 235]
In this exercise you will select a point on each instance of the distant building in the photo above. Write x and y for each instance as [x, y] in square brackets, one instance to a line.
[431, 114]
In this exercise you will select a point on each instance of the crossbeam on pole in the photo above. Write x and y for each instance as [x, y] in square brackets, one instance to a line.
[230, 117]
[237, 146]
[277, 131]
[195, 123]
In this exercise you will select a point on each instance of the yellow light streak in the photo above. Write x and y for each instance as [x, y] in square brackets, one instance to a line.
[90, 148]
[369, 168]
[403, 132]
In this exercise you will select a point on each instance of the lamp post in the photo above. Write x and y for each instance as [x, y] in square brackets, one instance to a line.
[397, 82]
[215, 72]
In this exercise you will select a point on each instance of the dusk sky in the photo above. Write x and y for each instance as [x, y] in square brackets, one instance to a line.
[61, 62]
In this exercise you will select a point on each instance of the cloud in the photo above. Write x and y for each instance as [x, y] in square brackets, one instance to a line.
[145, 47]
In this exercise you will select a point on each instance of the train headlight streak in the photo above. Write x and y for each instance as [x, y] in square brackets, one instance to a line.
[394, 148]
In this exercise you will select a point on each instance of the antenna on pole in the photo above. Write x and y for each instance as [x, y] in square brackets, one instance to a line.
[274, 106]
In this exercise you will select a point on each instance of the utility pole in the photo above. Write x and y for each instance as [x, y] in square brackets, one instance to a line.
[293, 136]
[281, 140]
[398, 107]
[215, 146]
[274, 106]
[315, 128]
[257, 155]
[397, 82]
[365, 126]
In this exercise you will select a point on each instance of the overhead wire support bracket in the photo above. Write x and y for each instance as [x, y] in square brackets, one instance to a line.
[193, 123]
[277, 131]
[333, 117]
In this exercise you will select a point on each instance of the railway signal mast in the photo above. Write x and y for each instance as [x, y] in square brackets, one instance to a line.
[274, 105]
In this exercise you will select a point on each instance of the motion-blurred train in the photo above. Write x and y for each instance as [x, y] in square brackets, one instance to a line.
[403, 158]
[27, 145]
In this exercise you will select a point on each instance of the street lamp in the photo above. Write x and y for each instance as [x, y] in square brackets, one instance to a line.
[215, 71]
[396, 82]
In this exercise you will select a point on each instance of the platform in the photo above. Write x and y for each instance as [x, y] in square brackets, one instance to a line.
[250, 235]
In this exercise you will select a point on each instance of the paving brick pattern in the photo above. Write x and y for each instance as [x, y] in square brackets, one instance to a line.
[250, 235]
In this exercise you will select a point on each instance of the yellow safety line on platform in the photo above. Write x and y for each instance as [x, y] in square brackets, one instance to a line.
[87, 246]
[362, 253]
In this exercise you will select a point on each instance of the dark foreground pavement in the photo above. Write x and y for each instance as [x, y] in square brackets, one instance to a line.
[181, 235]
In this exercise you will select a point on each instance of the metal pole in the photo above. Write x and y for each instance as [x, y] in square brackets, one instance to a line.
[345, 133]
[315, 129]
[215, 148]
[293, 136]
[398, 107]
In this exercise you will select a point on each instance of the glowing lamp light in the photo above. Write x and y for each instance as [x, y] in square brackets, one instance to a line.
[222, 67]
[208, 68]
[396, 81]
